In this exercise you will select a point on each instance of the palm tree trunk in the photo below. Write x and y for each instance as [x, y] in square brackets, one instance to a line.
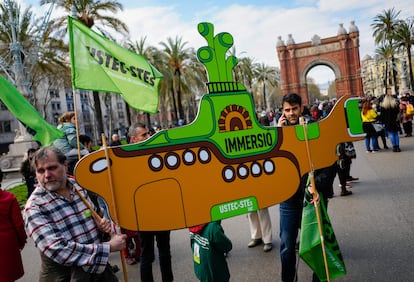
[410, 67]
[180, 106]
[148, 118]
[394, 75]
[386, 77]
[128, 113]
[175, 120]
[98, 112]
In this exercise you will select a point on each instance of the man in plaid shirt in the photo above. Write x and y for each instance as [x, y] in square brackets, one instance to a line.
[63, 228]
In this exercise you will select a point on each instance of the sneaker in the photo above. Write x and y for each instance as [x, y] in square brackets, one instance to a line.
[348, 185]
[368, 151]
[131, 261]
[267, 247]
[254, 243]
[346, 193]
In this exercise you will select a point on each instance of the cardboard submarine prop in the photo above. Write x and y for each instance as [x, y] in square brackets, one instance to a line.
[221, 165]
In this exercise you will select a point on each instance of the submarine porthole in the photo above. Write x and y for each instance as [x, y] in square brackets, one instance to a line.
[155, 162]
[204, 155]
[256, 169]
[269, 166]
[228, 174]
[189, 157]
[242, 171]
[99, 165]
[172, 161]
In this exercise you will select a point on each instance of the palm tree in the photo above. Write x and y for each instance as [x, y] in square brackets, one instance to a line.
[42, 54]
[90, 12]
[93, 13]
[244, 72]
[178, 57]
[21, 33]
[405, 39]
[385, 52]
[194, 84]
[264, 75]
[385, 27]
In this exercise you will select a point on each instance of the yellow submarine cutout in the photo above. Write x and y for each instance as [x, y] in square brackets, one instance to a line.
[221, 165]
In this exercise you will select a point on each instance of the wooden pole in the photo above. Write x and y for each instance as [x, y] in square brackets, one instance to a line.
[314, 193]
[105, 147]
[76, 124]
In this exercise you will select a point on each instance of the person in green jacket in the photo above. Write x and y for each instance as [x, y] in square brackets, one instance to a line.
[210, 246]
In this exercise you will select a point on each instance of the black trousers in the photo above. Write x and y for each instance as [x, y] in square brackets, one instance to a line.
[147, 239]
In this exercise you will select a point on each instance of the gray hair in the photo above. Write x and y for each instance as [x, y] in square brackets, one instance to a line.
[44, 153]
[133, 129]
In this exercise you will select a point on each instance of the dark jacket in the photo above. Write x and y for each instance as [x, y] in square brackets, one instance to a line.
[389, 117]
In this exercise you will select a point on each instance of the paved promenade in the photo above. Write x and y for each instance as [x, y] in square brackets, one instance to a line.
[374, 228]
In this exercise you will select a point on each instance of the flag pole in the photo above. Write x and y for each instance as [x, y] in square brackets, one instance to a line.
[108, 161]
[314, 193]
[76, 121]
[73, 12]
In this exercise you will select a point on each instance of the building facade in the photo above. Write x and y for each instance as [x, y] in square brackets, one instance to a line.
[377, 77]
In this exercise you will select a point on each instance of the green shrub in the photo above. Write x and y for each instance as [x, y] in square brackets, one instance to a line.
[20, 192]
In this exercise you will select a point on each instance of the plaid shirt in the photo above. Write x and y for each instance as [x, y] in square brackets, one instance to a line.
[64, 230]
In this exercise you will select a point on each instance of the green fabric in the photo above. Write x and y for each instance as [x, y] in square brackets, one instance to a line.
[209, 246]
[310, 249]
[101, 65]
[17, 104]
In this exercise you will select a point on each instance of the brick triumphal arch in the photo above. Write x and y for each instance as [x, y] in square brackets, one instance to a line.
[340, 53]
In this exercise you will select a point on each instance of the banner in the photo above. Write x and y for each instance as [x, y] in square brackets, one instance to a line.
[310, 248]
[17, 104]
[99, 64]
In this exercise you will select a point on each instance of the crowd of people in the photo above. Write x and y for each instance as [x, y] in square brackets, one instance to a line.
[387, 116]
[58, 216]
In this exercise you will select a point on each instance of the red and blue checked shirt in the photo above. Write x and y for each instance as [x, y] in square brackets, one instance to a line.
[64, 229]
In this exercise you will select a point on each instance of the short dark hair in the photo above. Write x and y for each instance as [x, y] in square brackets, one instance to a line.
[43, 153]
[84, 139]
[292, 98]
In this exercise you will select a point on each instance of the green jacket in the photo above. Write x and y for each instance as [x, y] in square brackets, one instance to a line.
[209, 245]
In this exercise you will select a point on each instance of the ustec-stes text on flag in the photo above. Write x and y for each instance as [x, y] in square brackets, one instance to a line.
[99, 64]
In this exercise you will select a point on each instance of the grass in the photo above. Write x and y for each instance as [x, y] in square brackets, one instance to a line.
[20, 192]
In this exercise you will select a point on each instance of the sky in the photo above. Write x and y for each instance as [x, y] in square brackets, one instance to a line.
[254, 25]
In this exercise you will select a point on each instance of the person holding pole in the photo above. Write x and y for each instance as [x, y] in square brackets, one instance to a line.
[290, 211]
[138, 133]
[61, 220]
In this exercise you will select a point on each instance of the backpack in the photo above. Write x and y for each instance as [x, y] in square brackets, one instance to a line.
[410, 109]
[346, 149]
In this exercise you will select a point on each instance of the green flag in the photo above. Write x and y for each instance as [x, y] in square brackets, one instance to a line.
[310, 248]
[17, 104]
[101, 65]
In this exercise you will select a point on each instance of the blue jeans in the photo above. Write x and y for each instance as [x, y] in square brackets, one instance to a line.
[394, 137]
[290, 220]
[374, 141]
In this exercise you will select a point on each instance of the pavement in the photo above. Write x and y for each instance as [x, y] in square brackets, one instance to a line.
[374, 228]
[7, 183]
